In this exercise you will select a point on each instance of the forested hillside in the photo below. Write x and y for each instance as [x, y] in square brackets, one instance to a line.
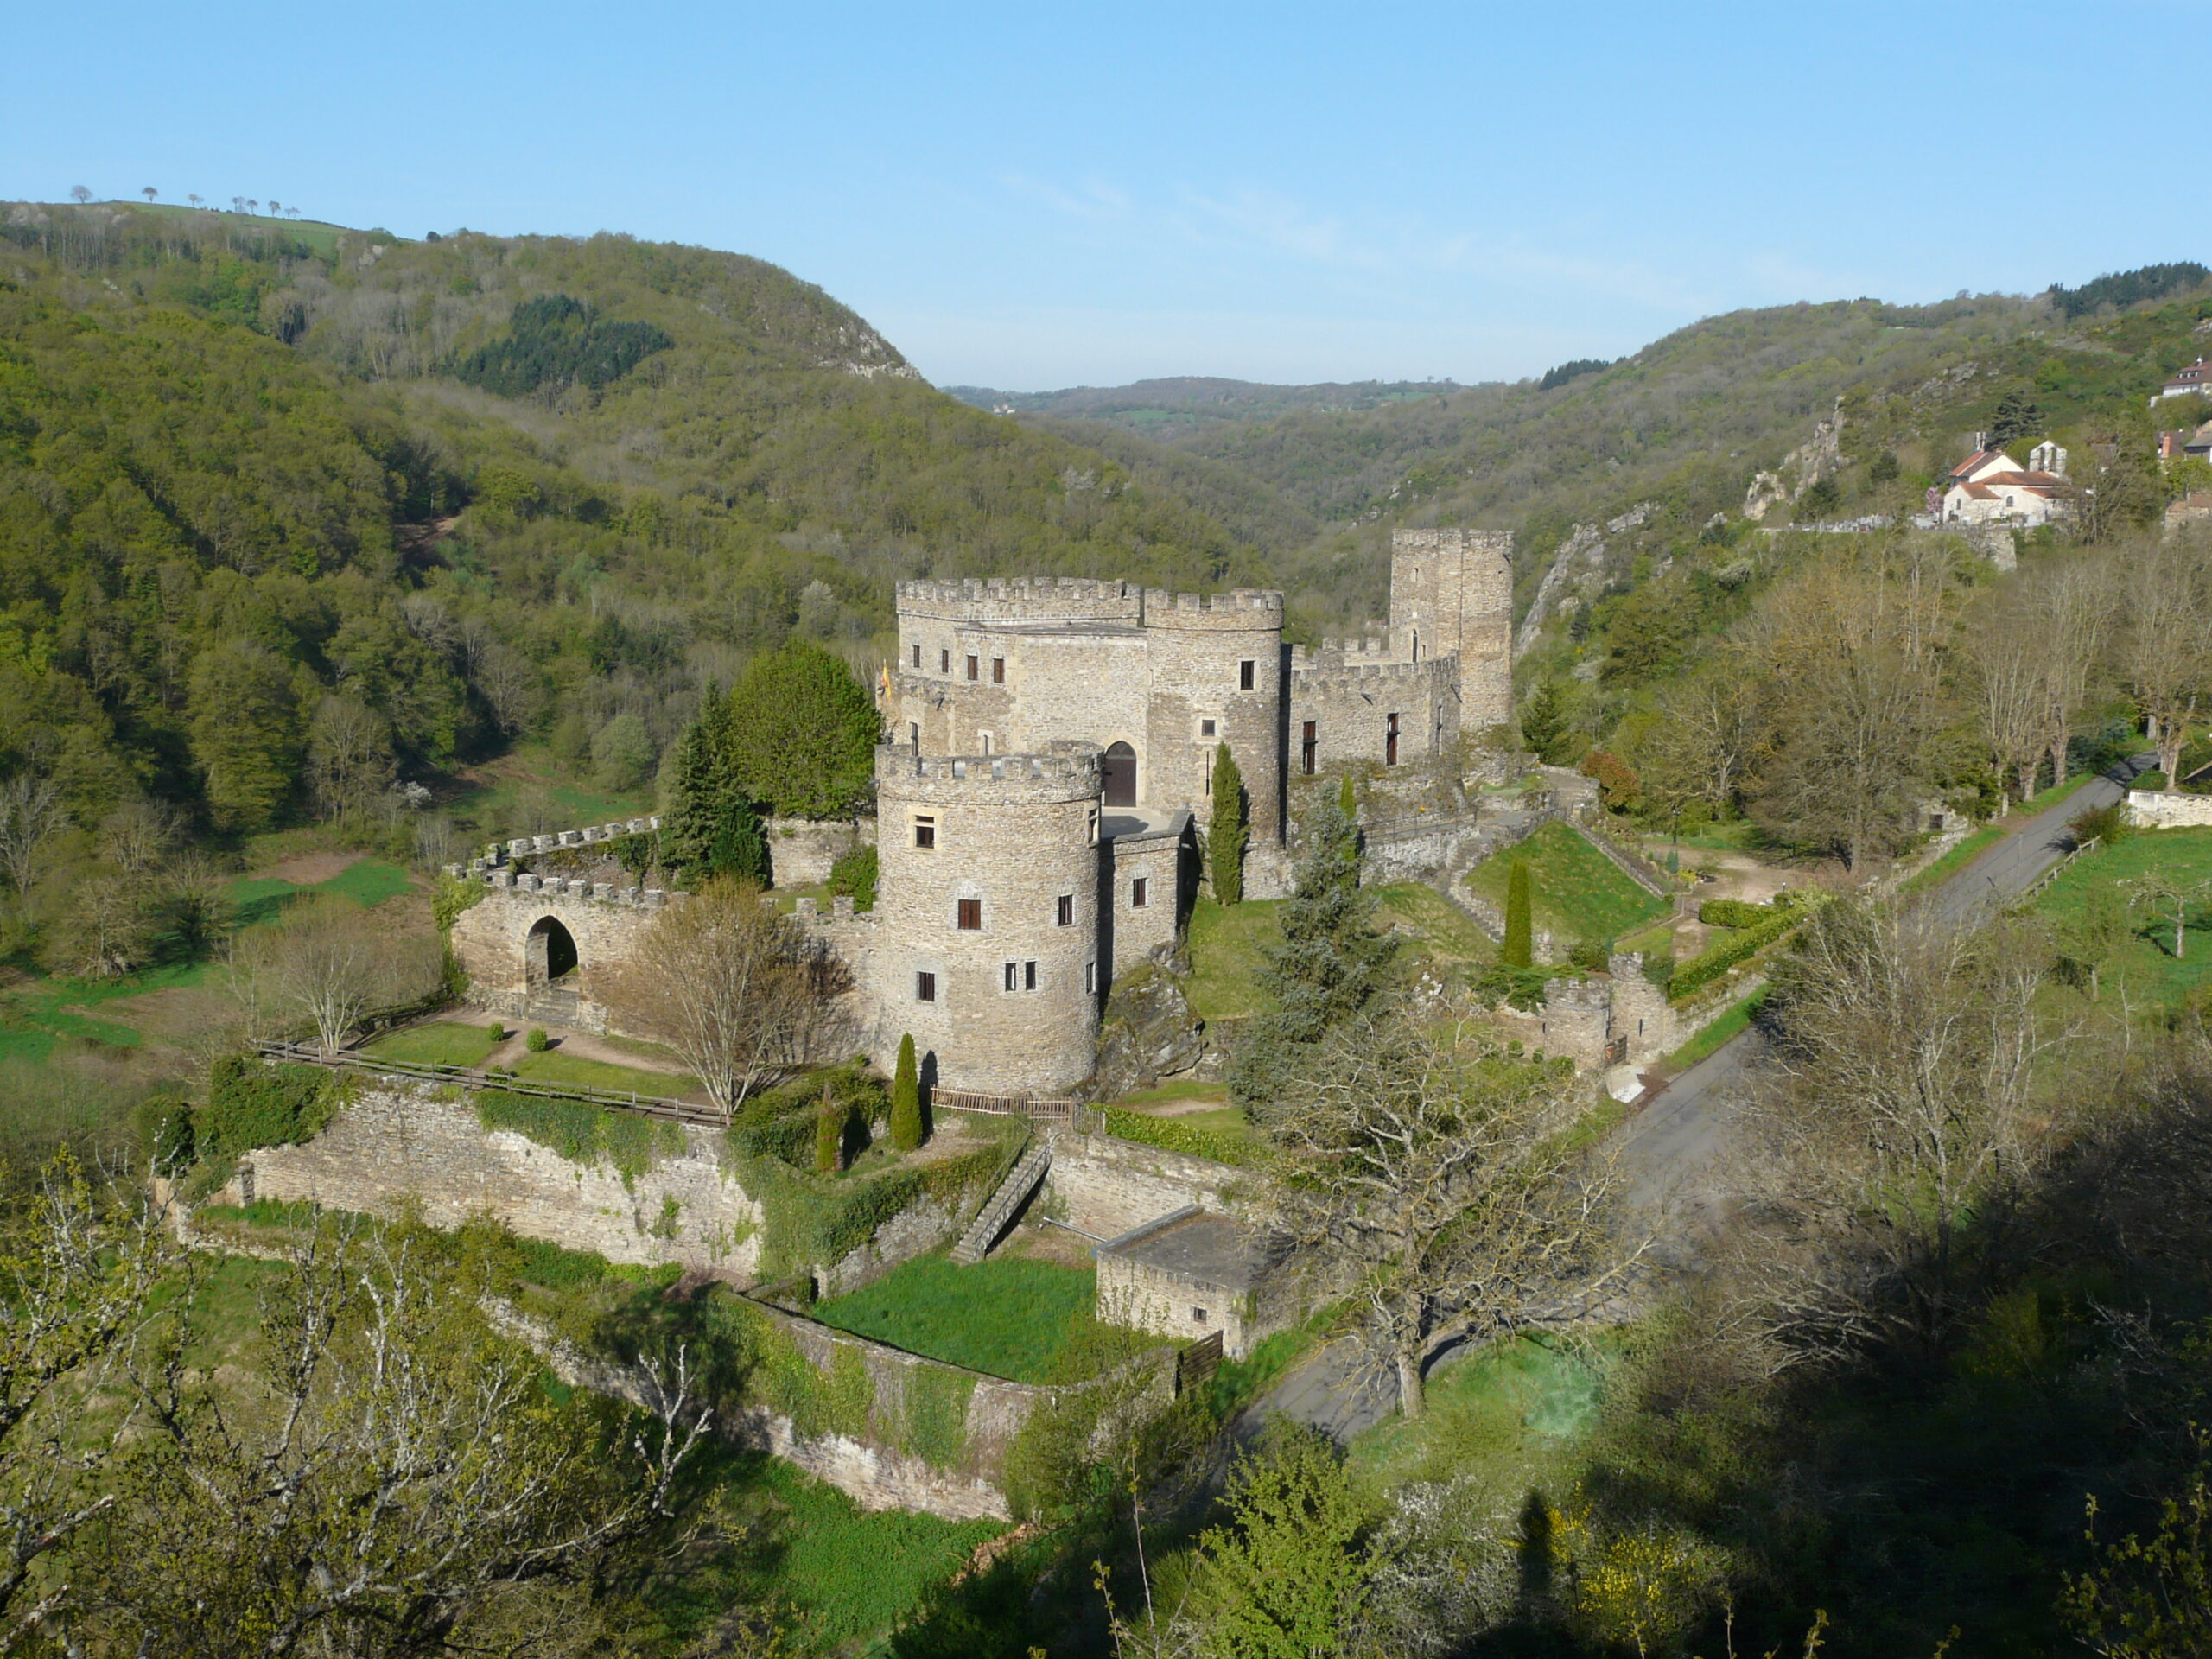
[1687, 424]
[288, 513]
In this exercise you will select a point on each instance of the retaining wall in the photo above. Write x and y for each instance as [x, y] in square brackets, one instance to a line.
[1104, 1186]
[422, 1143]
[801, 851]
[2165, 808]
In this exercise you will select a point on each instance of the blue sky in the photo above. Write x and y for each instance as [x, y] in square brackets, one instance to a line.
[1031, 196]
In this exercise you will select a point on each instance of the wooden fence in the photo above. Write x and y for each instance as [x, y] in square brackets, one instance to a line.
[465, 1077]
[963, 1100]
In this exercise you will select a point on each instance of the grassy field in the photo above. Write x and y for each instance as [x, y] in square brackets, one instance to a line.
[1226, 945]
[441, 1042]
[517, 796]
[553, 1066]
[1509, 1418]
[1446, 934]
[368, 882]
[2146, 967]
[1574, 890]
[1011, 1316]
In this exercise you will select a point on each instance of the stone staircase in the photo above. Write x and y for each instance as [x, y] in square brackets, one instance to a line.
[552, 1005]
[990, 1221]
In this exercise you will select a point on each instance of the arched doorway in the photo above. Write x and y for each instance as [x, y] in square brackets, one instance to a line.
[552, 953]
[1117, 769]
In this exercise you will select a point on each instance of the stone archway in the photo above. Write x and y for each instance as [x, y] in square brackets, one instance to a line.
[1117, 770]
[551, 953]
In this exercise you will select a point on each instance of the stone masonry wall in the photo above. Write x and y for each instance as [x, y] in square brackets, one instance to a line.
[801, 851]
[2160, 809]
[491, 941]
[399, 1141]
[1350, 705]
[1104, 1186]
[1164, 863]
[1455, 588]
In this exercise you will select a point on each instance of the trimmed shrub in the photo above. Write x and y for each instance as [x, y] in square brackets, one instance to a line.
[1171, 1134]
[254, 1102]
[2106, 825]
[496, 1032]
[1734, 912]
[1702, 970]
[537, 1042]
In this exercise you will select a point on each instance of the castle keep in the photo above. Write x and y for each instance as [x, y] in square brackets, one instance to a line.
[1051, 745]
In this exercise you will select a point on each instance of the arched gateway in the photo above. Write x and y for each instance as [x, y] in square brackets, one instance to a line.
[551, 953]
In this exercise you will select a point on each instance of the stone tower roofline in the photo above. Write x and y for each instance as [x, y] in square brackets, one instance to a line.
[1068, 771]
[1164, 609]
[1500, 541]
[1022, 599]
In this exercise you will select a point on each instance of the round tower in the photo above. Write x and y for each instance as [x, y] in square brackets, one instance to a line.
[1217, 676]
[986, 906]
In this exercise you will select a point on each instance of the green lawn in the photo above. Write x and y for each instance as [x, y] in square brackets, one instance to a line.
[2146, 967]
[42, 1013]
[441, 1042]
[1181, 1088]
[1010, 1316]
[368, 881]
[553, 1066]
[1447, 933]
[1226, 944]
[1575, 890]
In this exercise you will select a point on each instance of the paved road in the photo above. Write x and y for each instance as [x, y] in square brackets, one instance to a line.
[1670, 1148]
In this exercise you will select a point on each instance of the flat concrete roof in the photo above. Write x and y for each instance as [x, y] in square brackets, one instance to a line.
[1195, 1244]
[1136, 823]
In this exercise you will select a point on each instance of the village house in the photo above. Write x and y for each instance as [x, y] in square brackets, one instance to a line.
[1990, 487]
[2185, 383]
[2181, 444]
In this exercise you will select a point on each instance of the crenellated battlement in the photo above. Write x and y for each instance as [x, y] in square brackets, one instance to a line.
[498, 852]
[1068, 772]
[503, 878]
[1240, 609]
[1307, 675]
[1021, 600]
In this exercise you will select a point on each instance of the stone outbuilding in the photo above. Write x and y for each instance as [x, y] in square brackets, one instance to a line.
[1189, 1274]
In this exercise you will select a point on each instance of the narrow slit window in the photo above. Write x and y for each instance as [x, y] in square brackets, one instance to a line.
[925, 987]
[1140, 892]
[914, 732]
[1065, 909]
[974, 665]
[1247, 674]
[1308, 746]
[918, 656]
[1091, 979]
[1012, 974]
[972, 915]
[1390, 740]
[1028, 976]
[945, 661]
[998, 671]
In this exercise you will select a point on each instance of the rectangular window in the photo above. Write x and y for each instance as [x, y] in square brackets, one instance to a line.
[1065, 917]
[998, 671]
[1091, 979]
[1140, 890]
[925, 987]
[1012, 974]
[1093, 827]
[1198, 1316]
[1308, 746]
[925, 832]
[945, 661]
[973, 667]
[1028, 976]
[918, 656]
[1245, 672]
[971, 914]
[1206, 727]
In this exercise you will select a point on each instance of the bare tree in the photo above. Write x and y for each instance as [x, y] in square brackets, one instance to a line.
[31, 816]
[2006, 673]
[1904, 1103]
[2073, 605]
[392, 1482]
[1704, 739]
[136, 835]
[325, 963]
[106, 930]
[77, 1267]
[2167, 896]
[1442, 1177]
[731, 986]
[350, 761]
[2163, 651]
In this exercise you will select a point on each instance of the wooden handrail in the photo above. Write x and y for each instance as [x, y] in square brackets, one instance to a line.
[471, 1078]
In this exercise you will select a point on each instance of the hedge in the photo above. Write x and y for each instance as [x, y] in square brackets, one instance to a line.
[1702, 970]
[1734, 912]
[1171, 1134]
[254, 1102]
[580, 1132]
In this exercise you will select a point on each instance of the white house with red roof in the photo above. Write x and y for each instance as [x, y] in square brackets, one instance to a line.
[2187, 383]
[1990, 487]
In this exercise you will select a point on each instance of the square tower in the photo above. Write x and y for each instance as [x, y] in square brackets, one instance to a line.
[1451, 595]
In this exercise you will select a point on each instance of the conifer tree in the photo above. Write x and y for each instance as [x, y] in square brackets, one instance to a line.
[829, 1133]
[1228, 834]
[906, 1099]
[708, 827]
[1519, 949]
[1330, 965]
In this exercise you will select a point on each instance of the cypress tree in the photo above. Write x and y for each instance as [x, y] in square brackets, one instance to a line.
[1348, 802]
[906, 1099]
[829, 1133]
[1519, 949]
[1228, 834]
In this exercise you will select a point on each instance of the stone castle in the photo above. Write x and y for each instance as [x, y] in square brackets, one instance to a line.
[1050, 752]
